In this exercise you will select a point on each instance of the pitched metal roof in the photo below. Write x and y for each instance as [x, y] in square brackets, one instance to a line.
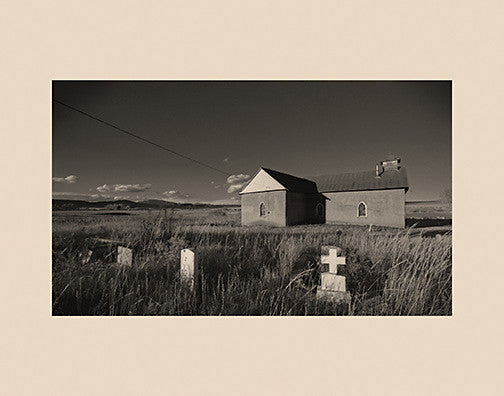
[292, 183]
[367, 180]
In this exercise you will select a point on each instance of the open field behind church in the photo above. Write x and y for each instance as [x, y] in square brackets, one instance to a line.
[245, 271]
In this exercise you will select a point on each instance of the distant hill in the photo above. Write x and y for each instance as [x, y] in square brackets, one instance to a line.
[124, 204]
[429, 209]
[428, 202]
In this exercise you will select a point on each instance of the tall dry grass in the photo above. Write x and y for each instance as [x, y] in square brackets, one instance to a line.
[246, 271]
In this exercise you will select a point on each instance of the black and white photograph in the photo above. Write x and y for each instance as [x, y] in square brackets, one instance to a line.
[252, 198]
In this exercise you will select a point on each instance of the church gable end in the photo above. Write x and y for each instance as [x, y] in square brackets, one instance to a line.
[262, 181]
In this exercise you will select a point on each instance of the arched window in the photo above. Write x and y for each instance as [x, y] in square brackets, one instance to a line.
[362, 210]
[262, 209]
[320, 210]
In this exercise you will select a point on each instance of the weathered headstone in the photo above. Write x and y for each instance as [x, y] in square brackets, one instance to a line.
[108, 251]
[124, 256]
[188, 267]
[332, 260]
[85, 256]
[332, 279]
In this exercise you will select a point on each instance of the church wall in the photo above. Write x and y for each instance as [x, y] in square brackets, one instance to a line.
[384, 207]
[275, 204]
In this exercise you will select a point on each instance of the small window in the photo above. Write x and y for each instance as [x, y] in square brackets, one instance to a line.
[320, 210]
[362, 210]
[262, 209]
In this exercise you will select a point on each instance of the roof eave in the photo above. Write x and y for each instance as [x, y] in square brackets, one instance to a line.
[366, 189]
[257, 192]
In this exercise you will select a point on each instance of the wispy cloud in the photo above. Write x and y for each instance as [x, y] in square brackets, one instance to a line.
[94, 196]
[83, 196]
[123, 187]
[237, 178]
[71, 179]
[132, 187]
[105, 188]
[235, 188]
[237, 182]
[176, 195]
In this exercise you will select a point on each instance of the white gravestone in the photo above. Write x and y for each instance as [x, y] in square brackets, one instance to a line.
[333, 262]
[331, 255]
[188, 267]
[124, 256]
[332, 282]
[333, 285]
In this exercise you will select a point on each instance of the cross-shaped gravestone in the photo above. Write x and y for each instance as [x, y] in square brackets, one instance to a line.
[332, 282]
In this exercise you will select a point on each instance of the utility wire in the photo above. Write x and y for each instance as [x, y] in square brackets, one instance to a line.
[141, 138]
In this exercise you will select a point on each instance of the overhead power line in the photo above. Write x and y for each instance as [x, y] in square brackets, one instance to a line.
[141, 138]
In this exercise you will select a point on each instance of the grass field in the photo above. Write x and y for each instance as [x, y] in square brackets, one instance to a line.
[245, 271]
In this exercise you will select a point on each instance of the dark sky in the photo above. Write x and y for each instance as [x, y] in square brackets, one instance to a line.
[305, 128]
